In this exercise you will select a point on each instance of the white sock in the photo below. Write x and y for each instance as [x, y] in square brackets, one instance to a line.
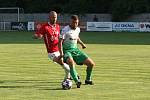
[67, 70]
[66, 67]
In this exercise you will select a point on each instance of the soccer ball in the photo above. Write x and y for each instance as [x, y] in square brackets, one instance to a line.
[67, 84]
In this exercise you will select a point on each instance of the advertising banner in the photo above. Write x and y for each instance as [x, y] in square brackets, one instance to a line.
[144, 27]
[125, 26]
[99, 26]
[30, 26]
[21, 26]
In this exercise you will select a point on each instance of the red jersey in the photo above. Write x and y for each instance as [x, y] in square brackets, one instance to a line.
[51, 36]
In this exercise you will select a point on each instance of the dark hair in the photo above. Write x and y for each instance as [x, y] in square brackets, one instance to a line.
[75, 17]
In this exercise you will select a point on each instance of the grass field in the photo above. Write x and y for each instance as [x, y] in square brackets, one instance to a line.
[122, 70]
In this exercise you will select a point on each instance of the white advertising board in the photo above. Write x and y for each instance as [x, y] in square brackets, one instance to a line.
[30, 26]
[144, 27]
[99, 26]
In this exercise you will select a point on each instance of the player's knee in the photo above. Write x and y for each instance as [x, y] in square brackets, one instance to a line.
[70, 61]
[92, 64]
[58, 61]
[61, 63]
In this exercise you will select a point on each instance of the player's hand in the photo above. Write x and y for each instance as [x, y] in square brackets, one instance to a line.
[36, 36]
[83, 46]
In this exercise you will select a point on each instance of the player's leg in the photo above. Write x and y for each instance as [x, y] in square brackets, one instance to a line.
[83, 58]
[73, 71]
[90, 64]
[54, 57]
[64, 66]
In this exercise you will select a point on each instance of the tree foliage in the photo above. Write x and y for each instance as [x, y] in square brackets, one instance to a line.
[120, 9]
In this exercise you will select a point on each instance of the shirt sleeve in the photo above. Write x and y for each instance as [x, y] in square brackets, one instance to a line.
[78, 32]
[41, 30]
[62, 34]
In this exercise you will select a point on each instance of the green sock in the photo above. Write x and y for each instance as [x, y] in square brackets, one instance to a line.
[88, 73]
[73, 73]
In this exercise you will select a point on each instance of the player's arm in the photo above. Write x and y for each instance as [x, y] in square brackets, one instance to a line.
[81, 43]
[37, 36]
[39, 33]
[61, 47]
[60, 44]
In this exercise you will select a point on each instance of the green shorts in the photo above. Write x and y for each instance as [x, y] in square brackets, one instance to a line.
[78, 56]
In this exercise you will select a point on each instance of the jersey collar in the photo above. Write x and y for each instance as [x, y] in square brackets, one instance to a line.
[51, 24]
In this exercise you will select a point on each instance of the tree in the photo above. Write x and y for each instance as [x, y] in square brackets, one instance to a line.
[122, 9]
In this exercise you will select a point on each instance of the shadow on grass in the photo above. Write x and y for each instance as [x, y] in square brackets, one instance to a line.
[14, 86]
[26, 81]
[136, 38]
[56, 89]
[35, 84]
[31, 84]
[50, 88]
